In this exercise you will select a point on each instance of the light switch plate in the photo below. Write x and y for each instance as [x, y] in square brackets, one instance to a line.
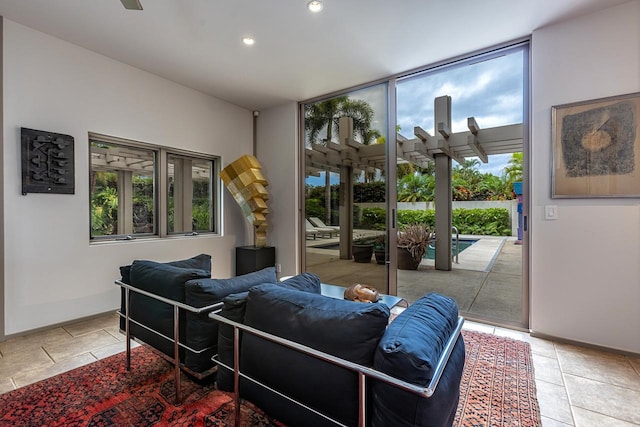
[550, 212]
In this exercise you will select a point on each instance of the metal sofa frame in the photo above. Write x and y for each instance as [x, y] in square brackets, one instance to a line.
[175, 360]
[213, 311]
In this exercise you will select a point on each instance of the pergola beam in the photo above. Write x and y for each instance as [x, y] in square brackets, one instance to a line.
[473, 145]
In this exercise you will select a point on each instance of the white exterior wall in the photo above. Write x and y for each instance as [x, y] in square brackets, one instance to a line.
[52, 273]
[585, 269]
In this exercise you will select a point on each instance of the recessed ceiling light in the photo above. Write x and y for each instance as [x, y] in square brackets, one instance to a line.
[249, 41]
[315, 6]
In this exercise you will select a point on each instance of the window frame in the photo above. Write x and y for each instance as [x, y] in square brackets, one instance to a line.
[161, 189]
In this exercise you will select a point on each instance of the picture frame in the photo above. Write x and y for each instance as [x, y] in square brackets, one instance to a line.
[47, 162]
[596, 148]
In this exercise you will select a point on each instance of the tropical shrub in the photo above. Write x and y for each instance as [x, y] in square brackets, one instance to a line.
[374, 219]
[315, 207]
[486, 222]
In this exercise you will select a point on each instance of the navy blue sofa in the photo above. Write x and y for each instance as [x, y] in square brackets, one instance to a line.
[185, 282]
[408, 349]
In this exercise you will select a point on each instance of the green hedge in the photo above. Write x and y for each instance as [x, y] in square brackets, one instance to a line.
[373, 219]
[486, 222]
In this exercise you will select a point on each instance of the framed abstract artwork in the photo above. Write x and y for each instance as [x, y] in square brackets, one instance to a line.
[596, 148]
[47, 162]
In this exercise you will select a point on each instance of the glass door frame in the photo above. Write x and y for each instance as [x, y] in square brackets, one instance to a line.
[390, 167]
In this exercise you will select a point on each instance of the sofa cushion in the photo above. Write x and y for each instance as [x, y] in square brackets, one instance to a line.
[347, 329]
[409, 350]
[201, 262]
[234, 308]
[307, 282]
[164, 280]
[202, 331]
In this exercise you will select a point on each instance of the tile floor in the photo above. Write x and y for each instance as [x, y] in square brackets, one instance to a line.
[576, 386]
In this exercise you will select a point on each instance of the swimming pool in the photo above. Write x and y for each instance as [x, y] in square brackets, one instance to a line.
[431, 252]
[463, 244]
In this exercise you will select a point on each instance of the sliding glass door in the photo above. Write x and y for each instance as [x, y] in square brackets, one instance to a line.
[459, 176]
[345, 187]
[434, 161]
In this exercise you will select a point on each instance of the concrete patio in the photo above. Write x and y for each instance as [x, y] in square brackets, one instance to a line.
[486, 283]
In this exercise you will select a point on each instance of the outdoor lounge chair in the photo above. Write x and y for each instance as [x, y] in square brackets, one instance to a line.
[317, 222]
[321, 231]
[310, 233]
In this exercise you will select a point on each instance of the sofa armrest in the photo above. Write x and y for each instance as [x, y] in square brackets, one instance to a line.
[174, 303]
[177, 306]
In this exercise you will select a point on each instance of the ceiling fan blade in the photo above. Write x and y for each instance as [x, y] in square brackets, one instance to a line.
[132, 4]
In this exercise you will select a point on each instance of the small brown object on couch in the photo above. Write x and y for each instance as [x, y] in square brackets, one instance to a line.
[361, 293]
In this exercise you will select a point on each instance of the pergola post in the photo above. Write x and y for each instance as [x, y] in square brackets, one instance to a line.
[444, 194]
[345, 134]
[441, 148]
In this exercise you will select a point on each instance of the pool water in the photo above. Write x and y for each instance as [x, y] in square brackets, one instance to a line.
[464, 244]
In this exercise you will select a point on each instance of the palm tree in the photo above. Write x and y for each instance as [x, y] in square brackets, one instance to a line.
[326, 115]
[514, 169]
[494, 187]
[372, 136]
[465, 180]
[416, 187]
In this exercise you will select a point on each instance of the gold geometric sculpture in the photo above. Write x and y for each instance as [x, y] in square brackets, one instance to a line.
[246, 183]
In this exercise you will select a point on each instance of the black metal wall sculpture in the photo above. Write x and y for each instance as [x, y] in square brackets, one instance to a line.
[47, 162]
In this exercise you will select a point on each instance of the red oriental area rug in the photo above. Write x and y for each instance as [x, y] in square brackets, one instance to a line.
[497, 389]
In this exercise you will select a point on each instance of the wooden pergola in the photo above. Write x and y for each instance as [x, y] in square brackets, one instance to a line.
[348, 158]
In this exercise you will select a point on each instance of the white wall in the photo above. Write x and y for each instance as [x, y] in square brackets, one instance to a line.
[277, 150]
[52, 273]
[585, 266]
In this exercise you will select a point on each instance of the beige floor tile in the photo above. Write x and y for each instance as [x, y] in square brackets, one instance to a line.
[40, 374]
[92, 325]
[598, 365]
[110, 350]
[586, 418]
[550, 422]
[510, 333]
[478, 327]
[16, 362]
[635, 362]
[542, 347]
[6, 385]
[547, 369]
[81, 344]
[34, 341]
[554, 402]
[610, 400]
[114, 331]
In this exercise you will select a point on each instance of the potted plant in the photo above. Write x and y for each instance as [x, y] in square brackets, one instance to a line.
[379, 246]
[413, 241]
[362, 248]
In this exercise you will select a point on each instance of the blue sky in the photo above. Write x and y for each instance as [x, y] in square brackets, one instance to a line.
[491, 91]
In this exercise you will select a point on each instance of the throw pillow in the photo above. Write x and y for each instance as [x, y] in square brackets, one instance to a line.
[201, 262]
[307, 282]
[409, 350]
